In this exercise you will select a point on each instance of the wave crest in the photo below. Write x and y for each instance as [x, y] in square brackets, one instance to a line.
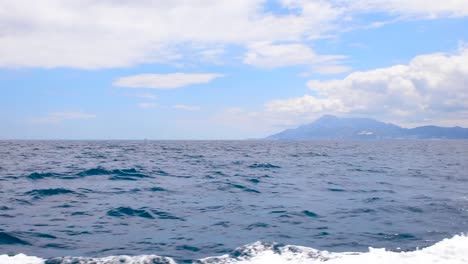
[130, 174]
[453, 251]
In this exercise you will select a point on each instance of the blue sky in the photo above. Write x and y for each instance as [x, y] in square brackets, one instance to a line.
[226, 69]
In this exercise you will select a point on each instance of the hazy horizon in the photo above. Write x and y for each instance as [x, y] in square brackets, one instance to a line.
[198, 139]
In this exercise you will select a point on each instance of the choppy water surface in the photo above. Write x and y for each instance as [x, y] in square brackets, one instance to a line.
[193, 199]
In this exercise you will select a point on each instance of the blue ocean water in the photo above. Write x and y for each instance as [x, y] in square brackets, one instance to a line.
[189, 200]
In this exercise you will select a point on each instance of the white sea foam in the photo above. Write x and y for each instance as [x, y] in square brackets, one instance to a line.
[143, 259]
[448, 251]
[20, 259]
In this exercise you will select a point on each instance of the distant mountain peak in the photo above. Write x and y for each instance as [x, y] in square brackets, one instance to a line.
[333, 127]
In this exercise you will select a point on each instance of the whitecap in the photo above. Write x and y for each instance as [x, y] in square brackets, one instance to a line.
[20, 259]
[448, 251]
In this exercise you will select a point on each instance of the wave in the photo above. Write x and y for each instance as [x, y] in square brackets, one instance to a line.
[118, 174]
[42, 175]
[9, 239]
[453, 250]
[242, 187]
[40, 193]
[264, 166]
[122, 212]
[131, 174]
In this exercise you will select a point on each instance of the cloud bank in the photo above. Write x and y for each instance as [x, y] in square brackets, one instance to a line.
[107, 34]
[430, 89]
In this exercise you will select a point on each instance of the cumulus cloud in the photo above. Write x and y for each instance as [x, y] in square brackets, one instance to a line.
[57, 117]
[430, 89]
[105, 34]
[109, 33]
[165, 81]
[186, 107]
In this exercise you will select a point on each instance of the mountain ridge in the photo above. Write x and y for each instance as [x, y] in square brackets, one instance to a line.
[333, 127]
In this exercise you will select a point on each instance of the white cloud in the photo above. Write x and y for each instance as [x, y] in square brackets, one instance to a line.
[430, 89]
[186, 107]
[165, 81]
[412, 8]
[147, 105]
[109, 33]
[58, 117]
[268, 55]
[120, 33]
[278, 114]
[306, 104]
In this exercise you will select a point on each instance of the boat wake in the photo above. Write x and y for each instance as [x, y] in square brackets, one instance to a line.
[448, 251]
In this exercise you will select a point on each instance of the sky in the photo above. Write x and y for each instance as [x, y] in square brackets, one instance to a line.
[224, 69]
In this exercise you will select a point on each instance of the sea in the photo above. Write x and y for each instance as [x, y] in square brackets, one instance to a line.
[150, 202]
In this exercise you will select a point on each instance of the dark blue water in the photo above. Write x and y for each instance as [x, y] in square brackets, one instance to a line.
[193, 199]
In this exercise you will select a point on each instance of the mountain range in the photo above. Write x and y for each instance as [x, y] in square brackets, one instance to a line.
[332, 127]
